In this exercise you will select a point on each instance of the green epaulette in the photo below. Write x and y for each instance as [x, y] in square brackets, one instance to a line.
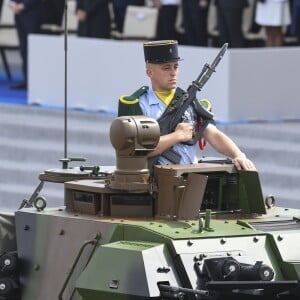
[205, 104]
[129, 105]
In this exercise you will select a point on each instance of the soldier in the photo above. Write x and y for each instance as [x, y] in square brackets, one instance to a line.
[162, 68]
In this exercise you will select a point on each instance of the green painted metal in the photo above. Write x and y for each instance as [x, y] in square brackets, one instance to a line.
[232, 242]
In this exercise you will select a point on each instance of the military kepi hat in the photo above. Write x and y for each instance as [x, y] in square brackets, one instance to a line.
[157, 52]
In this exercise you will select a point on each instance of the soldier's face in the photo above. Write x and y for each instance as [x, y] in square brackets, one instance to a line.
[163, 76]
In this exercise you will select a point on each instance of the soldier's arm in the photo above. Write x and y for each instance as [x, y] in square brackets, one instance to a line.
[223, 144]
[183, 133]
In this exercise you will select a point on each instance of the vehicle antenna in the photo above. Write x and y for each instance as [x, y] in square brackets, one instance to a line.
[66, 80]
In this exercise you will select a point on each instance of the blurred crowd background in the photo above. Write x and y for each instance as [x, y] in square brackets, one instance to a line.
[205, 23]
[241, 23]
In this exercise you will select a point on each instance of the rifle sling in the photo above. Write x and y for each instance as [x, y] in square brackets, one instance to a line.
[164, 120]
[170, 154]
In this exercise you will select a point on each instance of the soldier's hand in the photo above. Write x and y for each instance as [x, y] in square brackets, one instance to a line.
[243, 163]
[184, 132]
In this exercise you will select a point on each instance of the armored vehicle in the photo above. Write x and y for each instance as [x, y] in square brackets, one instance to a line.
[200, 231]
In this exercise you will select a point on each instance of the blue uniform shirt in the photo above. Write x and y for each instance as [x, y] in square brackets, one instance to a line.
[153, 107]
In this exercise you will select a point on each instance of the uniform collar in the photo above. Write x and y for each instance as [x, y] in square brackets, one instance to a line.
[153, 99]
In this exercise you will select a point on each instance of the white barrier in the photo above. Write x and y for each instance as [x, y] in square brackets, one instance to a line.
[250, 84]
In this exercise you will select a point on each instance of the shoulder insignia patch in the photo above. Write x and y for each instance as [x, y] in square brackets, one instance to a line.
[134, 97]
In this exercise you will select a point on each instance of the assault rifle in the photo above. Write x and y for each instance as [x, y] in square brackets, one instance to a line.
[182, 99]
[177, 110]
